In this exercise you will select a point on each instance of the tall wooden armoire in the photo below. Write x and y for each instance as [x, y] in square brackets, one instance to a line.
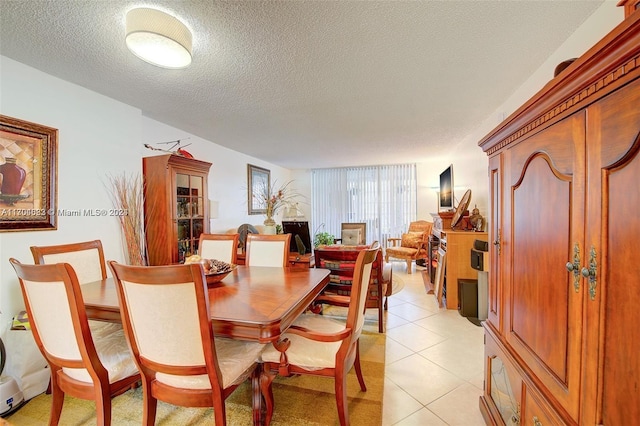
[562, 335]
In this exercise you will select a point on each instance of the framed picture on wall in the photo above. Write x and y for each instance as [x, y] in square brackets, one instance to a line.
[28, 175]
[258, 184]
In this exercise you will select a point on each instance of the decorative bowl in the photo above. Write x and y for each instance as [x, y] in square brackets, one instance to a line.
[216, 277]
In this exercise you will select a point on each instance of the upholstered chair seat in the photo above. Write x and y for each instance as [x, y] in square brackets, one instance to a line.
[113, 351]
[235, 359]
[310, 354]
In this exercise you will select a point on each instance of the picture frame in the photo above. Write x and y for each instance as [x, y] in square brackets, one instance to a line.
[28, 169]
[258, 181]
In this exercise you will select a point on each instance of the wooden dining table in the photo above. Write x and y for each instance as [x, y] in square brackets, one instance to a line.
[251, 303]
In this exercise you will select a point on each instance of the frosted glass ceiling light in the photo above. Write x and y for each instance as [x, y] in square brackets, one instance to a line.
[158, 38]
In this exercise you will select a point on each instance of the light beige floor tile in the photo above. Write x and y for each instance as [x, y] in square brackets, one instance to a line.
[422, 379]
[414, 337]
[478, 380]
[423, 417]
[458, 356]
[395, 351]
[397, 404]
[448, 323]
[411, 312]
[459, 407]
[393, 321]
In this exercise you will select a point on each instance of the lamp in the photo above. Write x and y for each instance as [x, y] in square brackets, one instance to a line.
[158, 38]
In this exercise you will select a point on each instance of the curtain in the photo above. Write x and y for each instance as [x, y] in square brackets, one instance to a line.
[383, 197]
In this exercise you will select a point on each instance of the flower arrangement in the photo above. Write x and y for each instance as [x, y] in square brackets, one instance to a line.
[272, 199]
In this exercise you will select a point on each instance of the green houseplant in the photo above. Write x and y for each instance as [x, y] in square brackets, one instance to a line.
[323, 238]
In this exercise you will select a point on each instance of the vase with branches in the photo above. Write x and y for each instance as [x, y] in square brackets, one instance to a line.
[127, 196]
[273, 198]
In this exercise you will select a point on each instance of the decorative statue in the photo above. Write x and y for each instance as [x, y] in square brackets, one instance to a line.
[476, 219]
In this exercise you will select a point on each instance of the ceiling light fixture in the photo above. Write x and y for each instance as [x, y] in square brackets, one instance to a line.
[158, 38]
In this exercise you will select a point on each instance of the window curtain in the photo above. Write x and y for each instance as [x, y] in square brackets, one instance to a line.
[383, 197]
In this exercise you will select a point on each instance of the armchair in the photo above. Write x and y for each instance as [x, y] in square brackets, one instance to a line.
[414, 244]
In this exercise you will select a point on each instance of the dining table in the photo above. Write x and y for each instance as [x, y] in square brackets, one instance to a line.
[254, 303]
[251, 303]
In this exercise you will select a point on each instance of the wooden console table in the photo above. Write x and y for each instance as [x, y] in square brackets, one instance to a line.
[457, 245]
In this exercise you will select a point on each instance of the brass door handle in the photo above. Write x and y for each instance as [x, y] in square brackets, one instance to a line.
[591, 273]
[497, 242]
[575, 267]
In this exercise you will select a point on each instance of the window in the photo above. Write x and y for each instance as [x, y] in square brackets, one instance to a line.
[384, 197]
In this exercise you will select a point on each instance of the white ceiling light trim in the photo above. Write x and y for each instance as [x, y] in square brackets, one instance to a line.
[158, 38]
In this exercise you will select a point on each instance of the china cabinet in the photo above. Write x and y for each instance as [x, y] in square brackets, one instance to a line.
[562, 345]
[175, 206]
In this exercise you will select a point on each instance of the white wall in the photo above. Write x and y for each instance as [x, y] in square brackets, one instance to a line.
[470, 163]
[98, 137]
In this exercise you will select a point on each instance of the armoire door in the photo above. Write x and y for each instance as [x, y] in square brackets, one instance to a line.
[495, 249]
[543, 228]
[612, 375]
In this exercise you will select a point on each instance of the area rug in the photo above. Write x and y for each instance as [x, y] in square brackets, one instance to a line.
[396, 285]
[300, 400]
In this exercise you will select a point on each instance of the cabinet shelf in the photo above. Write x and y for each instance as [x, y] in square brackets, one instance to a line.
[176, 211]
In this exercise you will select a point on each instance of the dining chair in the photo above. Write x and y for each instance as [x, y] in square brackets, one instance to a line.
[84, 363]
[222, 247]
[268, 250]
[185, 364]
[320, 346]
[341, 263]
[86, 258]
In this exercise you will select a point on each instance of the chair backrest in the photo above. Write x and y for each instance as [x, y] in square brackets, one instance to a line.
[418, 234]
[361, 279]
[53, 301]
[222, 247]
[86, 258]
[354, 233]
[268, 250]
[420, 226]
[173, 299]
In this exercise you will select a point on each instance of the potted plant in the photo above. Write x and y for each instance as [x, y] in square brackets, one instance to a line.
[323, 239]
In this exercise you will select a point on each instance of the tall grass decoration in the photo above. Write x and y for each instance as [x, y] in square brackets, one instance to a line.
[128, 198]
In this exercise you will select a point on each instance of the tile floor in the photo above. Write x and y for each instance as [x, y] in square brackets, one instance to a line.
[434, 368]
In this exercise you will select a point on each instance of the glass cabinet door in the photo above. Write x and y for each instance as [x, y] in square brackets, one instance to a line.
[189, 213]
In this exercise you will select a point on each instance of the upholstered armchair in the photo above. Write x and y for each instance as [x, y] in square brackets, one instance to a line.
[414, 244]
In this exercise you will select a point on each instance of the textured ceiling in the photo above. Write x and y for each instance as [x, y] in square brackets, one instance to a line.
[306, 84]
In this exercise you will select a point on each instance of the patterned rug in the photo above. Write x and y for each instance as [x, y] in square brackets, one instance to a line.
[301, 400]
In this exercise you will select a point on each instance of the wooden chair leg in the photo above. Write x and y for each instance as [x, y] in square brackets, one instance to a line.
[57, 402]
[356, 365]
[409, 271]
[103, 408]
[266, 378]
[149, 404]
[219, 410]
[341, 396]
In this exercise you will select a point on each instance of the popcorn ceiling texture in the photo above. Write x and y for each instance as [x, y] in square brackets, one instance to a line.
[294, 82]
